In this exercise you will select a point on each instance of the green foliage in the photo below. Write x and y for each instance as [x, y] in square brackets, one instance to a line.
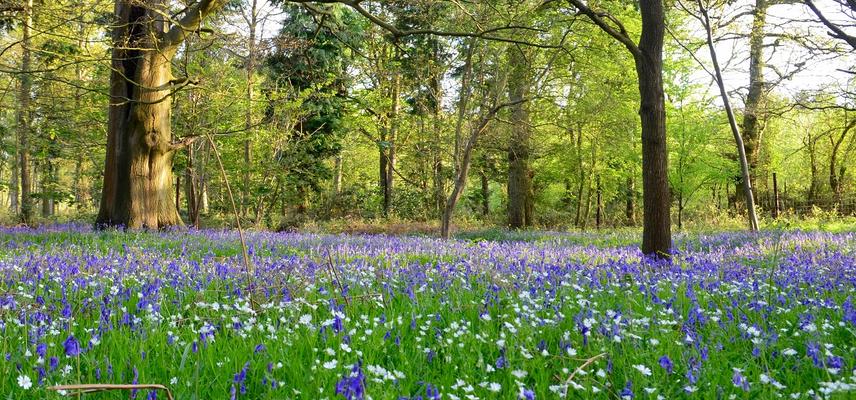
[312, 70]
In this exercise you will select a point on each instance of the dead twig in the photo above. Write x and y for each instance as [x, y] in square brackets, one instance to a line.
[585, 364]
[76, 390]
[335, 278]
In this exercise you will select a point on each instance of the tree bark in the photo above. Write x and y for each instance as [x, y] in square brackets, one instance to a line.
[464, 170]
[23, 117]
[755, 100]
[485, 194]
[599, 212]
[814, 180]
[191, 189]
[48, 187]
[732, 122]
[14, 183]
[648, 56]
[630, 202]
[836, 171]
[252, 20]
[656, 231]
[137, 190]
[519, 184]
[337, 177]
[775, 197]
[388, 159]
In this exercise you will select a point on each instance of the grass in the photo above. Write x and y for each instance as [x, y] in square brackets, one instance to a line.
[395, 317]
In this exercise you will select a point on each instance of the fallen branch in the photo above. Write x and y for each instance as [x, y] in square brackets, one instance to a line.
[76, 390]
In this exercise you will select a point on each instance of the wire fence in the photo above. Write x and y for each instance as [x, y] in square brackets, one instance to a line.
[790, 205]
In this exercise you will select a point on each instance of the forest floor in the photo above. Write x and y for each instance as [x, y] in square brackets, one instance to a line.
[489, 315]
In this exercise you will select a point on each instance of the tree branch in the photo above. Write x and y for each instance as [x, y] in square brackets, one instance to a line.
[486, 34]
[191, 21]
[598, 19]
[836, 31]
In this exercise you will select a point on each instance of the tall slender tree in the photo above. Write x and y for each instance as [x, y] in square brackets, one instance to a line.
[648, 56]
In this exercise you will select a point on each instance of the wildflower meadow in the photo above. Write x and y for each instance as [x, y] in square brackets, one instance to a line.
[547, 316]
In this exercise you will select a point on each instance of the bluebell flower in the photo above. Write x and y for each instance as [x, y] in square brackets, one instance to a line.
[353, 385]
[135, 381]
[739, 380]
[627, 392]
[432, 392]
[71, 346]
[666, 364]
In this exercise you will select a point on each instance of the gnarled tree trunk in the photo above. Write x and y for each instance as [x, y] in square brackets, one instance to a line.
[137, 191]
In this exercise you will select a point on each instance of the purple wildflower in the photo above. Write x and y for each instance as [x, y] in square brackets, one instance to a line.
[71, 346]
[353, 385]
[627, 392]
[739, 380]
[666, 364]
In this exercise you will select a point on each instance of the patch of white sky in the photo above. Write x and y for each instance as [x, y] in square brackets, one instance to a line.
[791, 67]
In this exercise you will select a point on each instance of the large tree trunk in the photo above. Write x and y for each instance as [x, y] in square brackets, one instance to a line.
[137, 191]
[656, 231]
[648, 55]
[519, 183]
[755, 99]
[23, 117]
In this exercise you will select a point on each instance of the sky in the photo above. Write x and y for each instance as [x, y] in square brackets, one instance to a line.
[818, 71]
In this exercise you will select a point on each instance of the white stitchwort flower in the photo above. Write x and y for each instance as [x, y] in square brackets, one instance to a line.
[24, 382]
[643, 369]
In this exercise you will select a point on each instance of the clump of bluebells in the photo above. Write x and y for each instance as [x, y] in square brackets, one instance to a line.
[357, 317]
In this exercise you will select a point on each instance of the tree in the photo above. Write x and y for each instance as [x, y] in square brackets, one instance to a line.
[648, 56]
[754, 109]
[836, 30]
[137, 190]
[520, 195]
[732, 122]
[23, 117]
[313, 73]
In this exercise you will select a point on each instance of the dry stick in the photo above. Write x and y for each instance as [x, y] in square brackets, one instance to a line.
[585, 364]
[335, 277]
[91, 388]
[237, 218]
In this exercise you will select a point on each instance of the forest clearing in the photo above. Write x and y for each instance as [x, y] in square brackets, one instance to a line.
[427, 199]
